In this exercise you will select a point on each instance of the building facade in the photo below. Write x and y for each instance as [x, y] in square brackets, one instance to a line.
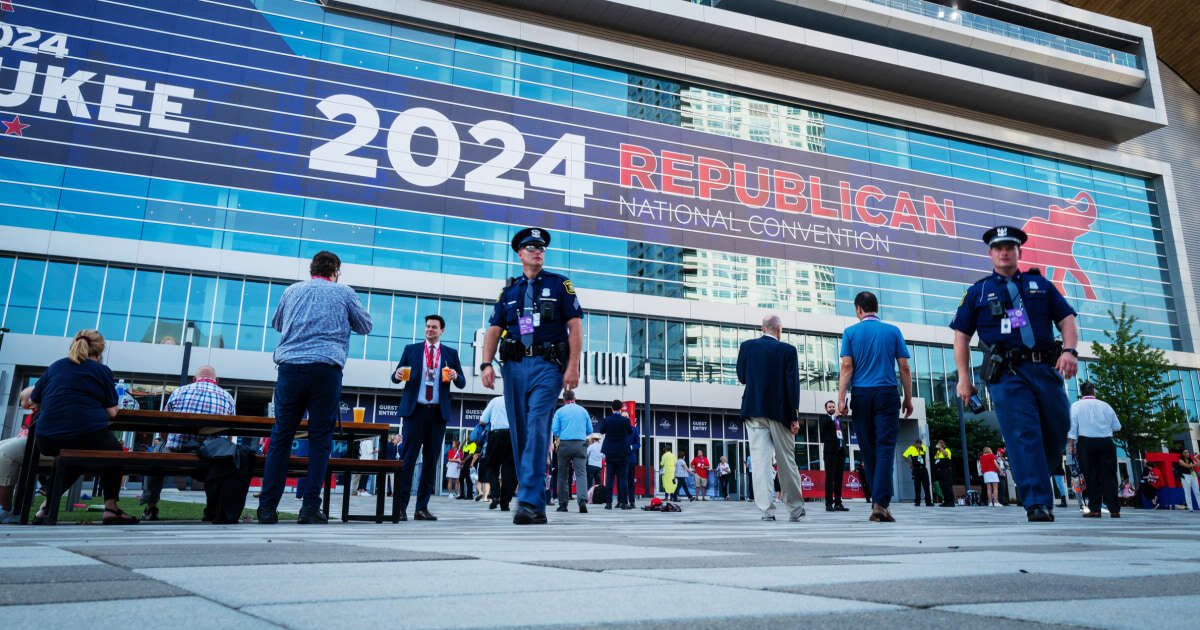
[698, 164]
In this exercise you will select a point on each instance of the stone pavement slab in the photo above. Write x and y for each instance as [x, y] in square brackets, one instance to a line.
[717, 566]
[1136, 613]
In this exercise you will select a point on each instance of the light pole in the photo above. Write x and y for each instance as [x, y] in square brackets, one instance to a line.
[189, 337]
[648, 421]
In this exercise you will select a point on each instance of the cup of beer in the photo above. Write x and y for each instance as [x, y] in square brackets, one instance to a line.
[445, 375]
[405, 372]
[359, 413]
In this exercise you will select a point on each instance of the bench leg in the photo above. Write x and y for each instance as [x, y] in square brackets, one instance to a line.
[346, 497]
[380, 493]
[396, 497]
[56, 490]
[325, 493]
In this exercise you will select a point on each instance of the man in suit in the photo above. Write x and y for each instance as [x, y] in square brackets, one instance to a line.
[616, 429]
[833, 453]
[771, 373]
[425, 406]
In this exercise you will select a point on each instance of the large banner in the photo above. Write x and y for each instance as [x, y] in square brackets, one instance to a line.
[217, 96]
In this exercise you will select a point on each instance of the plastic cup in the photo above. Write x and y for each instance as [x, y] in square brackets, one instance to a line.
[359, 413]
[445, 375]
[405, 373]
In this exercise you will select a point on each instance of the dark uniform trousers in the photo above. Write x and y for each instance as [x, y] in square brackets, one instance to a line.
[1034, 417]
[835, 465]
[1098, 458]
[921, 483]
[502, 474]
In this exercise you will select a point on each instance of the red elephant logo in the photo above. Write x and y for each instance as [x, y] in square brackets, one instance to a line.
[1052, 241]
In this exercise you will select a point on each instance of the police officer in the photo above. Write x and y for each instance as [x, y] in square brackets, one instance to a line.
[1023, 364]
[537, 327]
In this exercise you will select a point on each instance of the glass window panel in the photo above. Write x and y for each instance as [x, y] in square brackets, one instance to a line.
[114, 308]
[6, 271]
[270, 335]
[618, 331]
[408, 240]
[56, 296]
[254, 316]
[171, 309]
[348, 228]
[185, 213]
[597, 333]
[694, 352]
[144, 307]
[24, 295]
[201, 294]
[831, 363]
[225, 315]
[451, 311]
[675, 346]
[121, 212]
[483, 66]
[656, 348]
[544, 78]
[637, 347]
[26, 205]
[421, 54]
[403, 324]
[263, 223]
[354, 41]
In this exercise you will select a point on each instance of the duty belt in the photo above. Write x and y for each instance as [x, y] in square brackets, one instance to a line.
[1021, 355]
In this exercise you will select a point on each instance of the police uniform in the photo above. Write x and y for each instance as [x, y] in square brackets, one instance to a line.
[916, 456]
[1016, 317]
[533, 316]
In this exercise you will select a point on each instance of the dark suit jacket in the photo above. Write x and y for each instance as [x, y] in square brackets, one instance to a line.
[829, 432]
[616, 429]
[771, 373]
[414, 357]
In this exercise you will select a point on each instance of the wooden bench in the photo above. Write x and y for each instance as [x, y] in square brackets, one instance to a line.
[71, 460]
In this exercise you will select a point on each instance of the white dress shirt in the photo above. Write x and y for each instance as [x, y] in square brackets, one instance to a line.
[437, 374]
[495, 415]
[1092, 418]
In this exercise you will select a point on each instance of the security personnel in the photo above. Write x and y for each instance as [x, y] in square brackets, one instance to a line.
[915, 455]
[943, 472]
[1024, 366]
[537, 327]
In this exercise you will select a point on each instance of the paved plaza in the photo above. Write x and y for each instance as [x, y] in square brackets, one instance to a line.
[715, 565]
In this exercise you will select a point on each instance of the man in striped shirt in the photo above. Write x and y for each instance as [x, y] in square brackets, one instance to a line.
[202, 395]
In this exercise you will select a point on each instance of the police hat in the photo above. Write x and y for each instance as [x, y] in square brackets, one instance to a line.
[530, 236]
[1004, 234]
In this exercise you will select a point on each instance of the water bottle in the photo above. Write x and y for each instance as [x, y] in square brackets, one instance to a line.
[120, 390]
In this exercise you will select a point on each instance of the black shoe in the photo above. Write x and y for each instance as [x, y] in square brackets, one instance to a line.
[494, 504]
[1039, 514]
[525, 515]
[312, 516]
[608, 506]
[503, 507]
[150, 513]
[1063, 503]
[423, 515]
[403, 516]
[628, 506]
[562, 507]
[829, 508]
[267, 516]
[840, 508]
[582, 507]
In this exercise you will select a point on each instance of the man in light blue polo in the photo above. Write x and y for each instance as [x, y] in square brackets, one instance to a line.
[870, 349]
[571, 426]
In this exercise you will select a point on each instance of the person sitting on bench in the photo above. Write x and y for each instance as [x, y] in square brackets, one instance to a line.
[75, 399]
[12, 453]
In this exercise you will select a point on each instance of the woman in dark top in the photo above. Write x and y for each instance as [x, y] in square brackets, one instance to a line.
[76, 399]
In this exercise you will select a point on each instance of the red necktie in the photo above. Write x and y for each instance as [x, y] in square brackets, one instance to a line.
[428, 369]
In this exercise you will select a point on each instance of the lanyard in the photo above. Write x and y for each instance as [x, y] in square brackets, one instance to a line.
[437, 357]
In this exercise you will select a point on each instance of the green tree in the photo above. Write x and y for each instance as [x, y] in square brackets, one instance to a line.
[943, 425]
[1134, 379]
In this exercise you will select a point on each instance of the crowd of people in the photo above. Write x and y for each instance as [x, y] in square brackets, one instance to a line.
[527, 447]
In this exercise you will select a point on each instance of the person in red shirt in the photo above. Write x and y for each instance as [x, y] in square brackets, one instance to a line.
[991, 474]
[700, 466]
[454, 459]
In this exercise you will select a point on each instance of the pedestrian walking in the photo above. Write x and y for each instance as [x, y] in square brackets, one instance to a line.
[871, 353]
[1187, 466]
[541, 315]
[724, 474]
[683, 473]
[571, 426]
[666, 470]
[501, 469]
[700, 466]
[1015, 313]
[770, 402]
[1090, 437]
[314, 318]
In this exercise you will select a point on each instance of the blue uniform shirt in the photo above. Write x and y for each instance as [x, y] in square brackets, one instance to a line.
[1044, 306]
[547, 287]
[874, 346]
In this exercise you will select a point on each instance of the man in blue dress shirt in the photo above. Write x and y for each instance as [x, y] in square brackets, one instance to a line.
[872, 352]
[1015, 313]
[571, 426]
[537, 327]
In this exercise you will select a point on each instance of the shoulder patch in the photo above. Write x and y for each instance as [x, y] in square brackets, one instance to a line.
[568, 287]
